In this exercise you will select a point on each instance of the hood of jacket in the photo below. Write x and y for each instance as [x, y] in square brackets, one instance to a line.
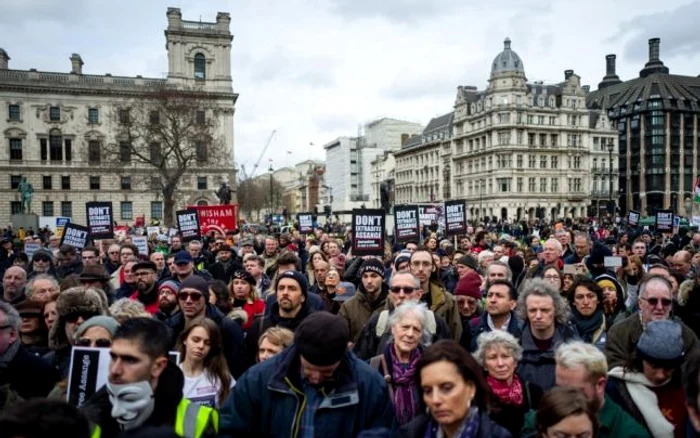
[373, 305]
[618, 286]
[685, 290]
[74, 300]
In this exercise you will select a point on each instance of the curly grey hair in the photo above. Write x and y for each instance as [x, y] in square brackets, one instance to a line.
[420, 310]
[30, 284]
[497, 338]
[12, 318]
[541, 288]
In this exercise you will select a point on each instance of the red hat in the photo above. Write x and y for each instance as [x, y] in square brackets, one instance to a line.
[469, 285]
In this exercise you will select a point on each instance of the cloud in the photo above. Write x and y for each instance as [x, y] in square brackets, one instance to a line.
[396, 11]
[18, 12]
[280, 65]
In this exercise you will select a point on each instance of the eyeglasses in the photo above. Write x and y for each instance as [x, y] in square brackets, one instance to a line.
[74, 316]
[406, 289]
[194, 296]
[653, 301]
[87, 342]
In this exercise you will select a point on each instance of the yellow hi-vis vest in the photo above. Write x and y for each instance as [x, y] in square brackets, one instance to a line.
[191, 420]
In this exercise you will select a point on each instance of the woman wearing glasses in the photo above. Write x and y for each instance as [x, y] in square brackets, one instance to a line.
[96, 332]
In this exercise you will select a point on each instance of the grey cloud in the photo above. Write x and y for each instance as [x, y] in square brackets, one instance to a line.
[334, 124]
[315, 71]
[18, 12]
[399, 11]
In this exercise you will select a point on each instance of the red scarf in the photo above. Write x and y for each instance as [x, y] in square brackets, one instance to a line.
[507, 394]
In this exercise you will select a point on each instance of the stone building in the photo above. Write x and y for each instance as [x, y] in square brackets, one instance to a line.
[55, 124]
[656, 116]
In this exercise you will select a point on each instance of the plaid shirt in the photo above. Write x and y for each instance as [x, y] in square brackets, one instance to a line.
[312, 399]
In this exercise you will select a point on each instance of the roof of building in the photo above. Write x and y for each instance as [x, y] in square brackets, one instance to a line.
[439, 123]
[507, 61]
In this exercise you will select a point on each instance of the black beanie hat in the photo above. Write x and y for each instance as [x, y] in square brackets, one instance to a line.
[244, 275]
[371, 265]
[322, 338]
[298, 277]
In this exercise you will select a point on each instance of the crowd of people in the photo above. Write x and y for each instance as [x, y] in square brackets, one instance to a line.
[546, 331]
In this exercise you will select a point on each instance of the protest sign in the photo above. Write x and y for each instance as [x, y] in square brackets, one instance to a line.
[217, 218]
[75, 235]
[368, 232]
[432, 216]
[188, 223]
[407, 225]
[141, 242]
[150, 231]
[306, 223]
[30, 248]
[633, 218]
[455, 218]
[664, 221]
[100, 220]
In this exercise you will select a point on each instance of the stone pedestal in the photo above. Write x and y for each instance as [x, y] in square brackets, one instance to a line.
[25, 220]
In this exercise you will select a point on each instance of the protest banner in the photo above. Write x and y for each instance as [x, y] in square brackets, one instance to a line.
[432, 216]
[368, 232]
[406, 223]
[54, 223]
[188, 223]
[217, 218]
[100, 220]
[455, 218]
[306, 223]
[75, 235]
[633, 218]
[664, 221]
[30, 248]
[141, 242]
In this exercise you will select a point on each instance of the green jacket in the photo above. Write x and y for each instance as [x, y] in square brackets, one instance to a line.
[614, 423]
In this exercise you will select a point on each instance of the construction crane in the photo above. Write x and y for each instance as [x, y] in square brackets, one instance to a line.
[262, 154]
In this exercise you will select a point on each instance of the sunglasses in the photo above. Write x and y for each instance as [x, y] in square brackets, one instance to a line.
[194, 296]
[41, 259]
[653, 302]
[406, 289]
[99, 343]
[74, 316]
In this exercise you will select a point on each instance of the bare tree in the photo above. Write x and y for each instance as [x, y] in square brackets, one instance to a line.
[165, 134]
[254, 195]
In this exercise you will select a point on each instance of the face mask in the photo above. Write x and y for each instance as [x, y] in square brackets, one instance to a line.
[132, 403]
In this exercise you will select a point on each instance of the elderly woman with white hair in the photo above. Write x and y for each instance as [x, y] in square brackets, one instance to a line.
[409, 334]
[498, 352]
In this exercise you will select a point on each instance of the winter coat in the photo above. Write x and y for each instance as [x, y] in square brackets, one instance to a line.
[445, 306]
[29, 376]
[620, 312]
[480, 325]
[269, 400]
[538, 366]
[688, 308]
[273, 319]
[512, 417]
[358, 310]
[487, 428]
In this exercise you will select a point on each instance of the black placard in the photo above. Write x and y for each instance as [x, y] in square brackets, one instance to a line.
[455, 218]
[368, 232]
[664, 221]
[84, 370]
[100, 220]
[633, 218]
[406, 222]
[75, 235]
[188, 223]
[306, 223]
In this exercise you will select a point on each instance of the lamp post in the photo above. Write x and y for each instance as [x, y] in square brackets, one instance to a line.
[611, 206]
[271, 170]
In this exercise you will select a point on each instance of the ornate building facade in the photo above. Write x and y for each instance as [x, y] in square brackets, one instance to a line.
[54, 124]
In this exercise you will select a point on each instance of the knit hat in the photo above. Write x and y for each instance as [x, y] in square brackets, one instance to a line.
[106, 322]
[322, 338]
[516, 265]
[371, 265]
[468, 261]
[661, 343]
[296, 276]
[598, 254]
[350, 291]
[197, 283]
[169, 284]
[43, 252]
[401, 257]
[469, 286]
[242, 274]
[606, 282]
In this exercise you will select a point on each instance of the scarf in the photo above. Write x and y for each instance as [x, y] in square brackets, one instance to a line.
[468, 429]
[645, 400]
[9, 354]
[405, 400]
[587, 326]
[507, 394]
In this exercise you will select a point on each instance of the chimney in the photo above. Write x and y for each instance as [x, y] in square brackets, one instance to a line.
[610, 64]
[654, 48]
[404, 138]
[4, 57]
[611, 77]
[654, 65]
[568, 74]
[76, 64]
[223, 19]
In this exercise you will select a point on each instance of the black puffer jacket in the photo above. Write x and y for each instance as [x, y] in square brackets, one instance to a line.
[487, 428]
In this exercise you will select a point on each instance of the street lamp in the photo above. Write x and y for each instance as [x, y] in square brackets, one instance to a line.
[611, 206]
[271, 170]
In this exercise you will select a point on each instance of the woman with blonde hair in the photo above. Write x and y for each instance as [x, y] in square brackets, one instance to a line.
[244, 296]
[315, 255]
[273, 341]
[208, 380]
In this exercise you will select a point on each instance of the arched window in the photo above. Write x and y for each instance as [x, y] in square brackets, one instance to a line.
[202, 203]
[200, 66]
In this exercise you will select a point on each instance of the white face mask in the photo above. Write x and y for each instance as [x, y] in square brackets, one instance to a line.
[132, 403]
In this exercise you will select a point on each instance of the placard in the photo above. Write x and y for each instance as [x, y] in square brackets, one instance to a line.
[368, 232]
[75, 235]
[633, 218]
[664, 221]
[100, 220]
[676, 224]
[188, 223]
[141, 242]
[455, 218]
[306, 223]
[407, 223]
[217, 218]
[432, 215]
[30, 248]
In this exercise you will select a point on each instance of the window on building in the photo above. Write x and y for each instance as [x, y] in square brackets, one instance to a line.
[530, 119]
[200, 66]
[154, 117]
[156, 210]
[65, 182]
[540, 120]
[554, 139]
[543, 185]
[531, 184]
[555, 184]
[94, 183]
[126, 183]
[201, 118]
[155, 182]
[44, 149]
[15, 207]
[543, 140]
[124, 152]
[94, 151]
[55, 114]
[156, 154]
[577, 162]
[124, 116]
[520, 184]
[519, 161]
[520, 138]
[15, 149]
[531, 139]
[201, 183]
[93, 115]
[201, 152]
[555, 162]
[127, 210]
[47, 182]
[503, 184]
[47, 208]
[531, 161]
[55, 146]
[69, 149]
[67, 209]
[14, 181]
[543, 162]
[13, 112]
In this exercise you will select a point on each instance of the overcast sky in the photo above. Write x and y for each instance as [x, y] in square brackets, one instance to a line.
[315, 69]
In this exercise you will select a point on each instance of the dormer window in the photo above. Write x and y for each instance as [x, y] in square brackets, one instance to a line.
[200, 66]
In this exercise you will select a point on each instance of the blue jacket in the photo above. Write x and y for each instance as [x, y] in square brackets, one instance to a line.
[268, 401]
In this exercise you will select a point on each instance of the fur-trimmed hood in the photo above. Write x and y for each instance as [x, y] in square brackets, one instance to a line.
[75, 299]
[684, 291]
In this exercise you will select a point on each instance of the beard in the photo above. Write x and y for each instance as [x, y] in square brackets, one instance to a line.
[167, 306]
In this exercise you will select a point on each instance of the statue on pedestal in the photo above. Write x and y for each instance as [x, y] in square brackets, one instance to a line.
[224, 194]
[26, 189]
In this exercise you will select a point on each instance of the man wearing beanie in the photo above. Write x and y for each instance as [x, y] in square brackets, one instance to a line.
[283, 395]
[193, 299]
[167, 299]
[370, 297]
